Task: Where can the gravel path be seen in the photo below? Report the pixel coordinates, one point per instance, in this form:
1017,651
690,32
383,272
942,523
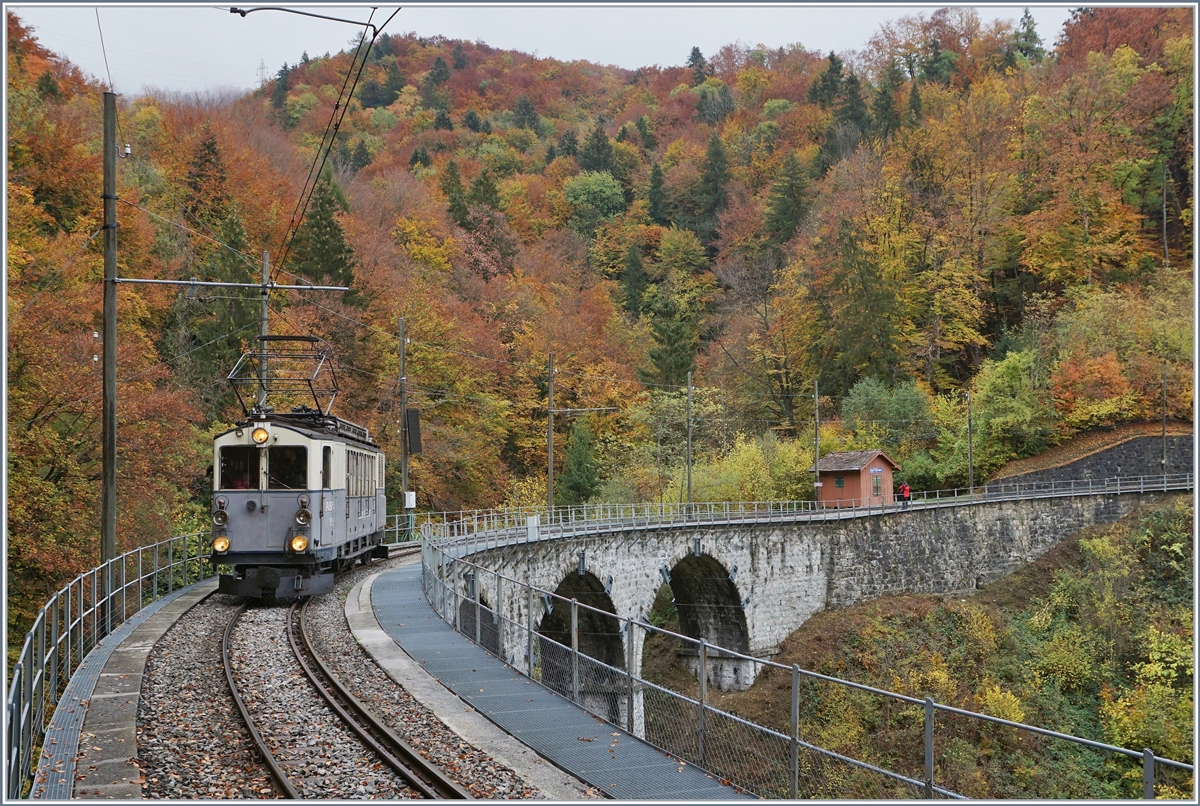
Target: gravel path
192,744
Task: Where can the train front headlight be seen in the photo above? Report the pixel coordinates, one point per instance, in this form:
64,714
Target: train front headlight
221,544
220,517
299,543
259,435
304,517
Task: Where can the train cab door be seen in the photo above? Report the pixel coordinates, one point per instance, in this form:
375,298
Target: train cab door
324,527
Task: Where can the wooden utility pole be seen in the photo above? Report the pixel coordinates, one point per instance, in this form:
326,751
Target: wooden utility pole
550,439
108,497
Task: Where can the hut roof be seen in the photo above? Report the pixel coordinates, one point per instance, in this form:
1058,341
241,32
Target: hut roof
840,461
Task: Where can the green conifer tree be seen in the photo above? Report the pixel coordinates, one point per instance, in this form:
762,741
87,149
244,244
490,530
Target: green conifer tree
1026,40
420,156
676,340
472,120
853,109
439,73
280,90
714,176
699,67
827,88
580,476
525,116
484,191
319,249
656,197
914,105
634,280
597,152
649,142
207,200
361,157
885,115
456,195
787,203
568,144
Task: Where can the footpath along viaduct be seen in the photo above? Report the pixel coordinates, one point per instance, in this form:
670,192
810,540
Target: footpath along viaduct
741,580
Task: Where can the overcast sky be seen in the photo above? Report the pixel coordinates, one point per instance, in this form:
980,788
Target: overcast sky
206,48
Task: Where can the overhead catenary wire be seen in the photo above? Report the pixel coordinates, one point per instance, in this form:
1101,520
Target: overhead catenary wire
331,132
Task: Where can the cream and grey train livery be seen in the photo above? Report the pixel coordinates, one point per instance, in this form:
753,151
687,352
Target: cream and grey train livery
296,497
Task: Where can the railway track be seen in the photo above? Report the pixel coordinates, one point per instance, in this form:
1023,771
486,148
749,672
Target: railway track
424,779
264,751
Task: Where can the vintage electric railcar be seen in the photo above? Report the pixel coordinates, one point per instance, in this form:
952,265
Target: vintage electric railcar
296,497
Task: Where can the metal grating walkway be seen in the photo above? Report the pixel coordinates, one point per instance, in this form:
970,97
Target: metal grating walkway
55,777
606,757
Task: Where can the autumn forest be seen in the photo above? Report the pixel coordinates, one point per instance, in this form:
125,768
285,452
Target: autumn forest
957,209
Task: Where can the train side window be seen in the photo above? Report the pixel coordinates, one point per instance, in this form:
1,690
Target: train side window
326,467
239,468
287,467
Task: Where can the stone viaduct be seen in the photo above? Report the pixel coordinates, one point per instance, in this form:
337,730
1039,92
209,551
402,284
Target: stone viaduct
747,583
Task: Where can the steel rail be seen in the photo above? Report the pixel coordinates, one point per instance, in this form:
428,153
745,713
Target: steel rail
277,772
423,776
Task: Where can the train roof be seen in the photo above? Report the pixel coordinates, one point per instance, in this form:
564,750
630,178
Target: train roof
316,424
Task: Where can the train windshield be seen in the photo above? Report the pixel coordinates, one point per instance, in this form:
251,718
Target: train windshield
287,467
239,468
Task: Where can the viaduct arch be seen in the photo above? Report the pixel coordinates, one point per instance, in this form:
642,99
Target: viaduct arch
747,585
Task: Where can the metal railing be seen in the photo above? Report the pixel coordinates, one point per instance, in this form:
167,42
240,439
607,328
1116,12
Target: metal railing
524,524
768,762
70,625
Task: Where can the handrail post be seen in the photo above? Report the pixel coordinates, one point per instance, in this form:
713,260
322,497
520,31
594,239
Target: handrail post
629,673
529,629
54,651
477,583
575,651
929,747
703,696
95,624
794,789
1147,774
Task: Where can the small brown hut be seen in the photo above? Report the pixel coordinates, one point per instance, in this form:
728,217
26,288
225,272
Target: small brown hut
855,479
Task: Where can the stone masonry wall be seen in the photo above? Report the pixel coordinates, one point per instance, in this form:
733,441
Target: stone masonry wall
1140,456
787,572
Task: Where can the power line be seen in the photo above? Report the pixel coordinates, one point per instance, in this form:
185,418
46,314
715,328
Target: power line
57,272
331,131
137,375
